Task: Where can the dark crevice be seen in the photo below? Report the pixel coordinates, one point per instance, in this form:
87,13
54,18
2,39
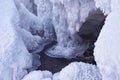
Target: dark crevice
91,28
56,64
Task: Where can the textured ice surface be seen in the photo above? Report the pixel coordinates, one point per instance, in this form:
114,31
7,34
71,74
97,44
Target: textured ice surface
38,75
14,57
67,21
108,45
33,32
79,71
29,21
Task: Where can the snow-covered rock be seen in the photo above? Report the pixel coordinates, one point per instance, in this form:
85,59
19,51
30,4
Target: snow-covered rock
30,29
74,71
38,75
108,44
14,57
29,21
56,76
67,21
34,31
78,71
31,42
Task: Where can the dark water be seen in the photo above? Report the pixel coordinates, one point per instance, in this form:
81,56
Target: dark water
56,64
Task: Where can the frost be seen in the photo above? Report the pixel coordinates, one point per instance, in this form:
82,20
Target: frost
30,25
38,75
107,46
14,57
44,11
79,71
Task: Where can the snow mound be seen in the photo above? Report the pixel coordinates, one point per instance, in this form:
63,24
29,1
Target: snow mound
79,71
107,46
38,75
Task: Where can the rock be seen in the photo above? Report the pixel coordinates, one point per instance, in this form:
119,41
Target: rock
107,47
38,75
78,71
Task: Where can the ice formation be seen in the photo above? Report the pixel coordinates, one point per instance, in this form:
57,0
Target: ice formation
29,21
67,21
14,57
107,46
79,71
29,4
30,25
30,28
44,11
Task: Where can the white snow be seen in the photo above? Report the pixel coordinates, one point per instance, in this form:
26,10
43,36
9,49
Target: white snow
108,44
56,76
44,11
80,71
38,75
14,57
